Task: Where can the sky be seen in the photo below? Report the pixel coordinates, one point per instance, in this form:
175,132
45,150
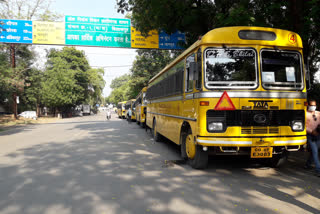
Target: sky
117,61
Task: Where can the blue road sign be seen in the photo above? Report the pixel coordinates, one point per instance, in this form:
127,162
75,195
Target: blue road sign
172,41
15,31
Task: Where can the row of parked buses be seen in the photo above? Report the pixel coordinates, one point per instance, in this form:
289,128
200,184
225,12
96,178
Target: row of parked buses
138,107
236,91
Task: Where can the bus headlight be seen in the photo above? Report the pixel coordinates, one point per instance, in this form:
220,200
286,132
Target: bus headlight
297,126
215,126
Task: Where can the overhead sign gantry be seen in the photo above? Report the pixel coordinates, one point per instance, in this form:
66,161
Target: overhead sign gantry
86,31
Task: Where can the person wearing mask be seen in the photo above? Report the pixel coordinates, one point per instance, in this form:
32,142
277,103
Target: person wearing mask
129,115
313,134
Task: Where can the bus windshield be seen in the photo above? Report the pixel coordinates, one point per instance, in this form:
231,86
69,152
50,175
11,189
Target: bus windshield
230,68
281,70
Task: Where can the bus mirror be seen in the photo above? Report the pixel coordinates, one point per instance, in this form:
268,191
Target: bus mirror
193,72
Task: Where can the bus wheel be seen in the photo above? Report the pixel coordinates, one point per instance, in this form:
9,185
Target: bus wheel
183,137
156,135
197,158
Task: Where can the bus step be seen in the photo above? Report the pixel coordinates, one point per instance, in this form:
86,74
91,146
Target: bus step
229,149
292,148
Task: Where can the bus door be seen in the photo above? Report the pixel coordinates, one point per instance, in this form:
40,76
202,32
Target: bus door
188,105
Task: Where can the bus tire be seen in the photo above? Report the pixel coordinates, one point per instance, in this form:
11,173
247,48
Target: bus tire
183,137
155,134
200,157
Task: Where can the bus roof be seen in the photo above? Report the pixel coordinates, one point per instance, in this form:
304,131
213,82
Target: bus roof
132,100
230,36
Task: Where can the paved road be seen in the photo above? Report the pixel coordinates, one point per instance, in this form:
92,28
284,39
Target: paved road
90,165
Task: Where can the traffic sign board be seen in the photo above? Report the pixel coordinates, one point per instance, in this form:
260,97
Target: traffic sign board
48,32
95,31
172,41
15,31
139,41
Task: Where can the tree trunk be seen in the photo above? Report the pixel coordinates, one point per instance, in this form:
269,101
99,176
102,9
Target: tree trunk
38,110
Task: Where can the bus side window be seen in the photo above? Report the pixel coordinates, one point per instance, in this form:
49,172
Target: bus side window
199,64
189,83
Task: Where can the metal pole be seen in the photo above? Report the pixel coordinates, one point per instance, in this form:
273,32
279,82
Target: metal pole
13,66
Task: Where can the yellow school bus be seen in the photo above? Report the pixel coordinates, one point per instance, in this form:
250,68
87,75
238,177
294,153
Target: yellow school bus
121,109
237,90
129,104
140,107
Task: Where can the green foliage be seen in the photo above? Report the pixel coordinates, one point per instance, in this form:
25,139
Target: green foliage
146,65
4,76
21,79
96,85
119,81
69,80
13,80
31,97
197,17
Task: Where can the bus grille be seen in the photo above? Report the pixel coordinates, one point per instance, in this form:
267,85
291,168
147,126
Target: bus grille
246,119
259,130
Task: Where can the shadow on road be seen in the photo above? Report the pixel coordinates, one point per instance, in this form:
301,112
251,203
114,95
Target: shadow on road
15,130
119,169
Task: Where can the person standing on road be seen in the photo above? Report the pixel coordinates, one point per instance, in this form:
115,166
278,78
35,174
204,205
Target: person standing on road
313,136
129,115
108,114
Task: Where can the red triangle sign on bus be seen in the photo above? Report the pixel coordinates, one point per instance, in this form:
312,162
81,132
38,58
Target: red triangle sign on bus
224,103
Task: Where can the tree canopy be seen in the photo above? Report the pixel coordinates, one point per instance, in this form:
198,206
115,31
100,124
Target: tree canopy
197,17
24,79
29,10
146,65
69,80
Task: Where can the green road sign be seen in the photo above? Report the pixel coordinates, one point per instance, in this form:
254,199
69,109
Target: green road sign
94,31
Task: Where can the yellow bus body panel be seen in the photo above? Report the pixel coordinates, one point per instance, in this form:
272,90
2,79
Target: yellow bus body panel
120,112
140,116
170,115
130,102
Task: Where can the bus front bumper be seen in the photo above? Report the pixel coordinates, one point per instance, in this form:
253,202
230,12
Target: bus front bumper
244,145
245,142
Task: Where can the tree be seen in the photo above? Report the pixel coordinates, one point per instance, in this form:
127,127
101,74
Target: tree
96,84
196,17
28,10
120,87
146,65
69,80
31,96
119,81
13,75
13,79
